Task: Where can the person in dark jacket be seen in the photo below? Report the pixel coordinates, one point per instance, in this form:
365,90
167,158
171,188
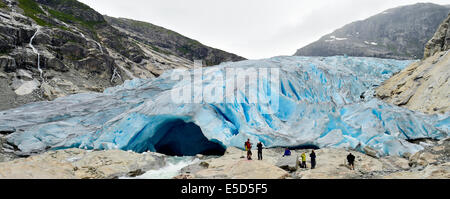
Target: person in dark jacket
260,148
351,161
313,159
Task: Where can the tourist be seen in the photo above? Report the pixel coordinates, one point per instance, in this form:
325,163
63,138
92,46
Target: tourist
260,147
287,152
313,159
303,156
248,147
351,161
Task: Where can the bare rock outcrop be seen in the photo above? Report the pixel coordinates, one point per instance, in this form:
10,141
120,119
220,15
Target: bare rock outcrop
81,164
440,41
424,86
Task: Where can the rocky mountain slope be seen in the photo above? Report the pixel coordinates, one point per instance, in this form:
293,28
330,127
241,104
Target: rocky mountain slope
170,42
424,86
53,48
398,33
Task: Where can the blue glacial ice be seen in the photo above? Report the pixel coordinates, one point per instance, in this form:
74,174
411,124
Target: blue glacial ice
323,102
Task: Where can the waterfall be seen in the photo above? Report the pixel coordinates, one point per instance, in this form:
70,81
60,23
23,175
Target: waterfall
115,73
99,46
36,51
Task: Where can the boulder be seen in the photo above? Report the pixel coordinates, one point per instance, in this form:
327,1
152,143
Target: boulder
288,163
51,92
27,87
441,171
370,152
200,156
395,163
24,74
422,159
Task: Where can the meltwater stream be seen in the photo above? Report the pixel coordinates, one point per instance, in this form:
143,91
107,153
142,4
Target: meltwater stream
173,167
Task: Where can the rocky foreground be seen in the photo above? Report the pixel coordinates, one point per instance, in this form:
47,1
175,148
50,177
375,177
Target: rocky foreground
81,164
431,163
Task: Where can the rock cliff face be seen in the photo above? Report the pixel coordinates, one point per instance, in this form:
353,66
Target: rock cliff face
440,41
53,48
424,86
398,33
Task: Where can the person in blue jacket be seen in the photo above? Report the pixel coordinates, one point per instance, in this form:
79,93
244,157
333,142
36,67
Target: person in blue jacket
287,152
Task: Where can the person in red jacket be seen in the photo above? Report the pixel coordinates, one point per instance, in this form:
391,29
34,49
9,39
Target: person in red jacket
248,147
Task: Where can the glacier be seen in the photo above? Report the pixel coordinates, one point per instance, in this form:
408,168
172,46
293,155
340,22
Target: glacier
321,102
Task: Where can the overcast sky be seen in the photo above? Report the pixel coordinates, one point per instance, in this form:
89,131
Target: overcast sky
250,28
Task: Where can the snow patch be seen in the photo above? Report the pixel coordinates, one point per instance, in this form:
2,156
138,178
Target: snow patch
334,38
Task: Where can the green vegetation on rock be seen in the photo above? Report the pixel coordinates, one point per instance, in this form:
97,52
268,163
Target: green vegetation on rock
70,3
72,19
2,5
32,10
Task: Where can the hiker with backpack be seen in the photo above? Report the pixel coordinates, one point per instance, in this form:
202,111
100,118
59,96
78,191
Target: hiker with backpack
351,161
248,148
